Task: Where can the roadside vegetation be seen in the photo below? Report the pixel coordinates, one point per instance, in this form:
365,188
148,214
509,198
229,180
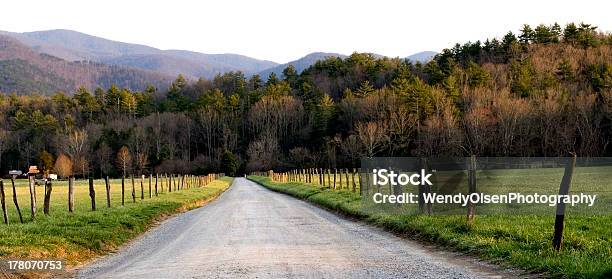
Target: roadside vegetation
84,234
541,90
518,241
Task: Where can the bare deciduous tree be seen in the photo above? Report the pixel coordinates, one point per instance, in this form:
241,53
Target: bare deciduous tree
372,135
103,157
124,159
142,161
263,153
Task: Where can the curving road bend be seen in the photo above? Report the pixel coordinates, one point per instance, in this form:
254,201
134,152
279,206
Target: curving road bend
252,232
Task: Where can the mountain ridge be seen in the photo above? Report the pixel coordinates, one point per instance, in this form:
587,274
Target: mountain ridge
76,46
23,70
310,59
64,59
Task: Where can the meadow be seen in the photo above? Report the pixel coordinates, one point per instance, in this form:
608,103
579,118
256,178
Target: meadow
79,236
511,237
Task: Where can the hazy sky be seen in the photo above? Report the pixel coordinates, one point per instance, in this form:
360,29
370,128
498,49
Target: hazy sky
286,30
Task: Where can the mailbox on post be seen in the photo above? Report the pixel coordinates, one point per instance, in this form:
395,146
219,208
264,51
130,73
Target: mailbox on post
33,170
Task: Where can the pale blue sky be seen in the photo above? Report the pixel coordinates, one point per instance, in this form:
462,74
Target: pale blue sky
286,30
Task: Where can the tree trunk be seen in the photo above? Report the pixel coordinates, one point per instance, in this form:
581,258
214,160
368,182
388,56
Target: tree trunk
15,199
47,202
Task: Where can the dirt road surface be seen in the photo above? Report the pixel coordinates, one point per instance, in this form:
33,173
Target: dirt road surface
252,232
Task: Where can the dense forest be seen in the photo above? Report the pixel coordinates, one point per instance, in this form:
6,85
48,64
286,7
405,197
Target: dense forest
546,91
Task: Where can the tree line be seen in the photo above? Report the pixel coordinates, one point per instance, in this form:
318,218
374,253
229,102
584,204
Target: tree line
544,92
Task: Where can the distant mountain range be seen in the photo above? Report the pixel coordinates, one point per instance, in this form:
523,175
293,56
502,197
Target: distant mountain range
423,56
48,61
25,71
310,59
75,46
300,64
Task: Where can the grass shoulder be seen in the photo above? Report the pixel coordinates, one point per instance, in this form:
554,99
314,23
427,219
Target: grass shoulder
78,237
518,241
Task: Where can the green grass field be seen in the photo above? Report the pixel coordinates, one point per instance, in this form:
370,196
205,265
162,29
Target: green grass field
522,241
79,236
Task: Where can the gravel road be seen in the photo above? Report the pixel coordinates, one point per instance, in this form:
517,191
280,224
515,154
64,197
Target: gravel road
252,232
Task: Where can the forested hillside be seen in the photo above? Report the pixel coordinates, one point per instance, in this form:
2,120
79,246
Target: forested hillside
75,46
24,71
544,92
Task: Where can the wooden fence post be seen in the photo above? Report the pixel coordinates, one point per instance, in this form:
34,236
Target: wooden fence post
335,173
47,201
123,190
323,177
366,175
422,188
563,190
133,189
156,177
471,188
92,194
70,194
3,200
360,183
329,178
169,177
340,181
346,172
108,198
150,181
161,182
142,186
15,199
32,196
353,178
